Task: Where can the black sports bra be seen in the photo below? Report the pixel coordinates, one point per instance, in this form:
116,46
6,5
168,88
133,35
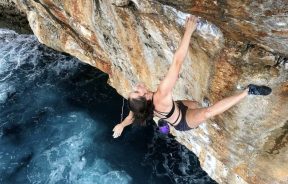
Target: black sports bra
168,114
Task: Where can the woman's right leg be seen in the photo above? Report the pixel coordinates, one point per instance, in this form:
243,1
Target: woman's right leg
191,104
195,117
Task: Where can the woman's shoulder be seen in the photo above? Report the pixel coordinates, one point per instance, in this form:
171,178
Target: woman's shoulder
162,99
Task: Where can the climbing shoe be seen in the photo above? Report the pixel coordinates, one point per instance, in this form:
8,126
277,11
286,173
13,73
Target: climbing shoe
258,90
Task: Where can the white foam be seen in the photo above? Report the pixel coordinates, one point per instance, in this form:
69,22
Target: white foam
5,90
69,135
66,160
7,31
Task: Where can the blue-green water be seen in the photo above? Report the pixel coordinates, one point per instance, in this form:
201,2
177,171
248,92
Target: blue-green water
56,120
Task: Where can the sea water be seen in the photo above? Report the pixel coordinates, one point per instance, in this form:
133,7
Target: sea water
56,121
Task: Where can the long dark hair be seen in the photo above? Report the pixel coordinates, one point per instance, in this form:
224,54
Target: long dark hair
142,109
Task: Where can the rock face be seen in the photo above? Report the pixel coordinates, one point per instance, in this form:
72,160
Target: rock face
235,44
263,22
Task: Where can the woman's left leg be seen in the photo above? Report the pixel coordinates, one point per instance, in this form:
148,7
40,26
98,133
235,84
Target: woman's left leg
195,117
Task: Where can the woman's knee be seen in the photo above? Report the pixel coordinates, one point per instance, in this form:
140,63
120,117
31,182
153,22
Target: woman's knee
198,116
208,113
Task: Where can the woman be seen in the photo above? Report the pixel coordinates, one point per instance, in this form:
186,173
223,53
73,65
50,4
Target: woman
183,115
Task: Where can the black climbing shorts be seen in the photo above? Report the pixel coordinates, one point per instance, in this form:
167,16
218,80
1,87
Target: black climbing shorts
182,125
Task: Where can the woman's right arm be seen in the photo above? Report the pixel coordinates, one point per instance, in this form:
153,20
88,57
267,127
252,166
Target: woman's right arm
118,129
166,86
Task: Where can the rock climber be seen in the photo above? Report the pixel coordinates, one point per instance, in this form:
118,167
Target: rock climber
182,115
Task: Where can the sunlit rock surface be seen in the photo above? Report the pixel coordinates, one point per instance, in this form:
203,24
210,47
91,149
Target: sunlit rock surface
263,22
236,43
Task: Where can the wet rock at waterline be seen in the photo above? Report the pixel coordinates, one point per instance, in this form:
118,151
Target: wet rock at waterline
235,44
12,18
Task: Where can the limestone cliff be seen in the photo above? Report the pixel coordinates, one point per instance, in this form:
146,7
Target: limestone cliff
236,43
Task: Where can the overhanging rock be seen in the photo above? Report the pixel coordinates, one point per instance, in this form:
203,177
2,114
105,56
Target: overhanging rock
236,43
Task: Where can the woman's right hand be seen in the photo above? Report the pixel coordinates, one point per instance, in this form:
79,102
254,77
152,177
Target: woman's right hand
118,129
